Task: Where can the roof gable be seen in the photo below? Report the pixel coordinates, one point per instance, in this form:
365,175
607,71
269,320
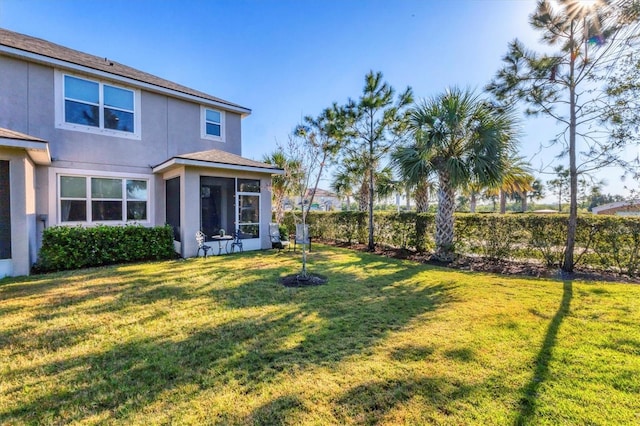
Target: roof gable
46,49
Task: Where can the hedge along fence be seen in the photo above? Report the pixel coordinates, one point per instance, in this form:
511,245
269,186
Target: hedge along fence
65,247
603,242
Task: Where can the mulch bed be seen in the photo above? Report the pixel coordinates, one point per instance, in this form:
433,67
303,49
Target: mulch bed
503,267
296,280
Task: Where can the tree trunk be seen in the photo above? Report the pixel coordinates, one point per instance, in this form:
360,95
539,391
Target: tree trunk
371,246
524,201
567,265
363,195
560,200
422,197
503,202
408,194
444,219
473,202
279,202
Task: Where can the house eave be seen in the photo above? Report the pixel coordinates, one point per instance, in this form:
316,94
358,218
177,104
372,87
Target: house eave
58,63
38,151
177,162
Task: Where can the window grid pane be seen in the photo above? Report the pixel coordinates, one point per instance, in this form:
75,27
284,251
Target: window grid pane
106,210
118,120
213,116
118,98
81,90
248,185
213,129
73,187
80,113
73,211
136,190
249,209
136,210
106,188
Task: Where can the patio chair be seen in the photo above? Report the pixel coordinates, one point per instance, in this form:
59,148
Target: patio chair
276,239
200,238
237,242
302,236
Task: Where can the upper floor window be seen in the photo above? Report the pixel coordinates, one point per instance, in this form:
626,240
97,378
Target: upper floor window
97,107
212,124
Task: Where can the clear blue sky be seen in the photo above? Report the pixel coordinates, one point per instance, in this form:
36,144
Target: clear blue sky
286,59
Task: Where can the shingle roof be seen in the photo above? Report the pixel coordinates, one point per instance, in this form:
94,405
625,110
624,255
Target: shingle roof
223,157
217,159
51,50
11,134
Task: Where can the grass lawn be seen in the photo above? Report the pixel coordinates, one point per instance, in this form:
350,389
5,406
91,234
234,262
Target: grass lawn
218,341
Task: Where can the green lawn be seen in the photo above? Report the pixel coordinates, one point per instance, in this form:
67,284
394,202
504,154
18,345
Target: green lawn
218,341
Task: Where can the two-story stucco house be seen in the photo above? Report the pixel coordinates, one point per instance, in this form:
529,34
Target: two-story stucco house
85,140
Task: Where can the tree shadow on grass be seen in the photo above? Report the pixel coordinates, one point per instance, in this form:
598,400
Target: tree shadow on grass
277,412
297,329
528,401
369,402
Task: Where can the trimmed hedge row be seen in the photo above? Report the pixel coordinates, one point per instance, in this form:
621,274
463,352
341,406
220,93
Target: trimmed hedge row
65,247
603,242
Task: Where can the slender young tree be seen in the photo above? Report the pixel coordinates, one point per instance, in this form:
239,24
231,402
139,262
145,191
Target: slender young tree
589,38
313,146
377,121
560,184
465,139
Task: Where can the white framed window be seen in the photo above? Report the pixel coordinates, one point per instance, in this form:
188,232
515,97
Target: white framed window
96,199
93,106
212,124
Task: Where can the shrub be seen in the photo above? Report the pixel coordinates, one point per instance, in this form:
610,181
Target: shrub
603,242
65,247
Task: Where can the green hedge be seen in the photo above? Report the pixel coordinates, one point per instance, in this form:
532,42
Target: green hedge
65,247
602,242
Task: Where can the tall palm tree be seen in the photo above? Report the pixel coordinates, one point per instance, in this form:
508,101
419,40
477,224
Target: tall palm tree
465,139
